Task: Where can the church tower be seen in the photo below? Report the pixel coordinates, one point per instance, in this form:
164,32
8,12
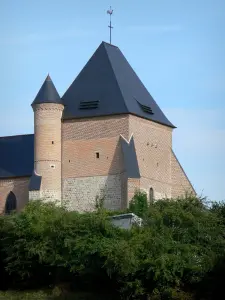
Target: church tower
45,183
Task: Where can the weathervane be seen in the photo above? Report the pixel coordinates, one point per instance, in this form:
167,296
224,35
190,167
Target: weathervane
110,12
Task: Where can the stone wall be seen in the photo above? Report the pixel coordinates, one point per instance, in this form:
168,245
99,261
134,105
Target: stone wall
46,195
34,195
80,193
19,186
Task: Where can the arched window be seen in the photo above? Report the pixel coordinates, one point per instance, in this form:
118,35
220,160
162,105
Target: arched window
151,195
10,203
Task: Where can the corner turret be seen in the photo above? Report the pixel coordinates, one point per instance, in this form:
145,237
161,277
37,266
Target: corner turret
48,108
47,93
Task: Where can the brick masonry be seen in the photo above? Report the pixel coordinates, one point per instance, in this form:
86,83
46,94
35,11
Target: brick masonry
83,139
48,148
19,186
180,183
158,166
161,190
86,160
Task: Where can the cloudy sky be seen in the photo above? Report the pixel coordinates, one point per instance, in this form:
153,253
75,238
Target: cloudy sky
176,47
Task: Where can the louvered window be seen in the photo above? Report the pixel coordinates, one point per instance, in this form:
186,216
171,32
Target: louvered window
89,104
145,108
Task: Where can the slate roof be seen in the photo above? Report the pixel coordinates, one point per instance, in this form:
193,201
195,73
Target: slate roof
130,158
47,93
35,182
16,156
107,85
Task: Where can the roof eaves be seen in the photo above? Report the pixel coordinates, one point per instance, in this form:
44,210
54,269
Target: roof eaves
14,176
17,135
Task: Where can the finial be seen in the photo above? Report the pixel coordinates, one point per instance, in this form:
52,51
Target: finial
110,12
48,78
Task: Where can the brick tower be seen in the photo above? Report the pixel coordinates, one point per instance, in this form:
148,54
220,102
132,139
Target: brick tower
45,182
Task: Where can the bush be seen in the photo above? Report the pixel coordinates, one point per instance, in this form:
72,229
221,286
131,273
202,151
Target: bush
139,204
170,257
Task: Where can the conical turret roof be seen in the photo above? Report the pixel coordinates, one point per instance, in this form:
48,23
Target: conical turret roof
47,93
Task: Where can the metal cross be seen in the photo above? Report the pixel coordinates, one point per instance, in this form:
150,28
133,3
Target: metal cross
110,12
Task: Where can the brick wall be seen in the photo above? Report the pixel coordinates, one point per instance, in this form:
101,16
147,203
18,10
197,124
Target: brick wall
180,182
47,148
161,189
82,139
153,144
19,186
95,128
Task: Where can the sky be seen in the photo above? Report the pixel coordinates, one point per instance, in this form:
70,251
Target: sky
176,48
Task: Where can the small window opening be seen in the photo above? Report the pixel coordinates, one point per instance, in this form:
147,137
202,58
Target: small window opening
11,203
69,160
52,142
97,154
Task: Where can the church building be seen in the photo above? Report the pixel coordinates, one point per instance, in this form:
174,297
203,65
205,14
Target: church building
105,137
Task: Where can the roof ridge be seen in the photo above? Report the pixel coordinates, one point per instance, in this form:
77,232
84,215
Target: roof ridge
16,135
115,77
110,44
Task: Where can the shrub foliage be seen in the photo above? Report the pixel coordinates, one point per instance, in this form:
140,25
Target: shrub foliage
178,253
